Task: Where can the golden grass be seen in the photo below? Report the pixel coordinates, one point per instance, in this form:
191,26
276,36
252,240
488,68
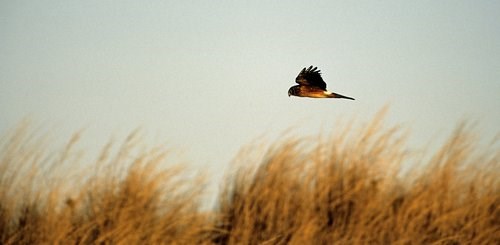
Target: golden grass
354,187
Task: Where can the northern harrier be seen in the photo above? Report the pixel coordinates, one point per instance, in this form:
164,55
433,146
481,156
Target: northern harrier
312,85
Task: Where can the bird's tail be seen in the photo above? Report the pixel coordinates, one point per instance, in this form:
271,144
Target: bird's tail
334,95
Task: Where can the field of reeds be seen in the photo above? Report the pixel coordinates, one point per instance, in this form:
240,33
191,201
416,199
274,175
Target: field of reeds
358,185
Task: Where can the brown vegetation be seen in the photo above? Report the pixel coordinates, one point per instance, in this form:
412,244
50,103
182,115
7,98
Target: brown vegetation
357,186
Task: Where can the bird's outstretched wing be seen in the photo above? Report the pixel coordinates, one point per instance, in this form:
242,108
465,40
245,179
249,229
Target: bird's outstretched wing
311,77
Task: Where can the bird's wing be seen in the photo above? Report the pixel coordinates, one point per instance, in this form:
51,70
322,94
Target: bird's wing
311,77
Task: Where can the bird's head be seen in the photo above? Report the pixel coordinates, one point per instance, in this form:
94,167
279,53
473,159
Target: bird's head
293,91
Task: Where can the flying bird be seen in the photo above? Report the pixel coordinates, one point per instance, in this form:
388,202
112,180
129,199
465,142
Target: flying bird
312,85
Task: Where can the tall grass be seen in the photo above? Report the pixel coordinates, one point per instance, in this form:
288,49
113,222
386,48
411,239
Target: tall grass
353,186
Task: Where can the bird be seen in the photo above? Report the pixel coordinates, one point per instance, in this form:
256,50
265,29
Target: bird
311,85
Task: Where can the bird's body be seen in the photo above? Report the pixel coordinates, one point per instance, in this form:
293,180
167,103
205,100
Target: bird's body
311,85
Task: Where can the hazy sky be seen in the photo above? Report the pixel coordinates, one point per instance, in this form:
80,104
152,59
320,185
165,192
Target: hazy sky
208,77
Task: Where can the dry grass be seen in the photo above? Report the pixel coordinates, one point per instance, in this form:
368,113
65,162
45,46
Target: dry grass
350,188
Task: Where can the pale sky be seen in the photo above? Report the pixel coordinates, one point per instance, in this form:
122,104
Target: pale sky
208,77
